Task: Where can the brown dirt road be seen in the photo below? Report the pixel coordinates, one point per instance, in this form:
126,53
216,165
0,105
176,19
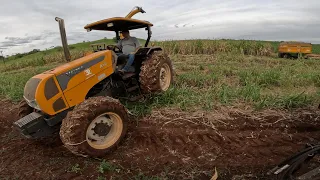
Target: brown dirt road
170,143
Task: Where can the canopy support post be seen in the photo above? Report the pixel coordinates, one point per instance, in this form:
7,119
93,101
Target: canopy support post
149,36
117,36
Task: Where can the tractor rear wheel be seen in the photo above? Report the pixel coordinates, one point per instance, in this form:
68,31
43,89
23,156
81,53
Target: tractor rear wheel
95,127
156,73
24,109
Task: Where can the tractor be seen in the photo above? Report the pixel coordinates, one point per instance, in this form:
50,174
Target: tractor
80,99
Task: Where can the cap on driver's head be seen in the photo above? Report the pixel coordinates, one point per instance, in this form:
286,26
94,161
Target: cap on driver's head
123,31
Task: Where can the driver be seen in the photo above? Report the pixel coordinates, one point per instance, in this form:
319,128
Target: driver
129,46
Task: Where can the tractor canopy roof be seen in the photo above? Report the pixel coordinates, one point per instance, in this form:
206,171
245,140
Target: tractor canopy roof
118,24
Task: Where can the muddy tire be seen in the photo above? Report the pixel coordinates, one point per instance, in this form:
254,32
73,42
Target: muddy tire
95,127
156,73
24,109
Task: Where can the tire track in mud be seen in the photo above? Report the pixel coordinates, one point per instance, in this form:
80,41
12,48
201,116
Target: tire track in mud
247,141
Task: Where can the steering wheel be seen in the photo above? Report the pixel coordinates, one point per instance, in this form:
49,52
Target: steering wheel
114,48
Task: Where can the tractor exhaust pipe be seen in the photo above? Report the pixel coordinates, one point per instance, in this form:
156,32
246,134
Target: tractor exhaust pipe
63,38
134,11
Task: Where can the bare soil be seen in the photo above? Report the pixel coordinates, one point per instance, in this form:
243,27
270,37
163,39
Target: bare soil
169,143
314,56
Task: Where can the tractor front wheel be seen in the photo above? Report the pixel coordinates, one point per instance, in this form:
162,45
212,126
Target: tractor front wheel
24,109
95,127
156,73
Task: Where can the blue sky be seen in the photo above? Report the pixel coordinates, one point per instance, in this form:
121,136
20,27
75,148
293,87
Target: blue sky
26,25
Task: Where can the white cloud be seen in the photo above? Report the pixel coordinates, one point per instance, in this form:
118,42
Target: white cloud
30,24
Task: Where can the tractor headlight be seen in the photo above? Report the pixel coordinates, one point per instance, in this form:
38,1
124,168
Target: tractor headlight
33,103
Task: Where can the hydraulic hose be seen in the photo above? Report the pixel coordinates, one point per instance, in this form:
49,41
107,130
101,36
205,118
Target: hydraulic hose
287,168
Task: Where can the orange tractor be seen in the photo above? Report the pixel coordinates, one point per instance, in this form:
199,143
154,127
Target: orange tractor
80,98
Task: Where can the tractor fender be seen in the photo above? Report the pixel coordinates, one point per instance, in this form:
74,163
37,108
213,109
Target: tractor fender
145,51
153,49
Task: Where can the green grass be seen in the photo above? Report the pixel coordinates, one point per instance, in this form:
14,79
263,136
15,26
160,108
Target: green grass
75,168
262,82
106,166
213,46
222,72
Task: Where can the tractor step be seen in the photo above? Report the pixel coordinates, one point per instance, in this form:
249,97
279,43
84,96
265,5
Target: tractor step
128,75
133,88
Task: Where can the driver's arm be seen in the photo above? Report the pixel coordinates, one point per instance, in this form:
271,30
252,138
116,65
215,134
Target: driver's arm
119,44
137,45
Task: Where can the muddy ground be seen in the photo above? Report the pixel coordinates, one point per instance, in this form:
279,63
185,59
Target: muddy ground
169,144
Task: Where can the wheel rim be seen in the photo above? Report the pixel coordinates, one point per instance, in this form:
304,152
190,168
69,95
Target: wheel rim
104,130
165,77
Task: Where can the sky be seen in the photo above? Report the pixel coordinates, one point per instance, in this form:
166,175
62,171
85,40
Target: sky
30,24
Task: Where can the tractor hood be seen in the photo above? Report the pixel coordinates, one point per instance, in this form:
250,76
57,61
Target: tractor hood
42,93
80,63
53,90
79,69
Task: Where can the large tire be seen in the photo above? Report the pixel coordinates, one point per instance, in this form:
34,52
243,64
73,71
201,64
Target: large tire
95,127
24,109
156,73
